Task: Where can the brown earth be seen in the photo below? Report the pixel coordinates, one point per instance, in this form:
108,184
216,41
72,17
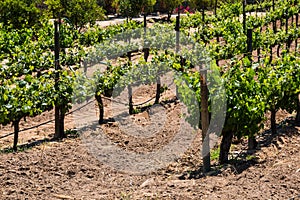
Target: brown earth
68,170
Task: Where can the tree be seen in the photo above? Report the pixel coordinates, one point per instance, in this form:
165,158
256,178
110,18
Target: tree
148,5
200,4
78,12
169,6
19,13
132,8
107,6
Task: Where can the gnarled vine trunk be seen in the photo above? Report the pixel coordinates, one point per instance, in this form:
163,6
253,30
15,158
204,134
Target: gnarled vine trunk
273,121
298,110
131,109
101,108
158,87
225,146
252,143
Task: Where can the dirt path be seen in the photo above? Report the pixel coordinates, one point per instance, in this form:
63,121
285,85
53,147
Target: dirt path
115,20
66,170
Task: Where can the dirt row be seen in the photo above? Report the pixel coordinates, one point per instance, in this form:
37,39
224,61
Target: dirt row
75,169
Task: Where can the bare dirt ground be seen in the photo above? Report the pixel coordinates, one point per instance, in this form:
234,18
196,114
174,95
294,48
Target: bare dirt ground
68,170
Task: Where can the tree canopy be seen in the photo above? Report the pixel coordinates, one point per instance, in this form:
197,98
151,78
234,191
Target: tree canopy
19,13
132,8
78,12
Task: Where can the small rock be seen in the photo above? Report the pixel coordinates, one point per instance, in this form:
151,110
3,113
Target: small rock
171,185
24,168
148,182
71,173
9,182
282,140
282,177
59,196
90,176
12,171
11,191
284,185
146,194
49,186
58,174
23,174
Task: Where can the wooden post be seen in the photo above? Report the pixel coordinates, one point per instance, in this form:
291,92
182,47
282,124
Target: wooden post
251,139
145,20
158,86
177,47
274,22
249,44
216,4
244,15
16,133
130,90
177,29
288,43
297,20
205,122
258,49
146,50
286,22
203,13
59,115
218,41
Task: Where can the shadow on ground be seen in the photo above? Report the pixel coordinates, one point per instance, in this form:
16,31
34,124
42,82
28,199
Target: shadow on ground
246,158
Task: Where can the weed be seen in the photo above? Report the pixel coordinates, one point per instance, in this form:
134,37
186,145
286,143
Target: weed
214,154
125,196
251,157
